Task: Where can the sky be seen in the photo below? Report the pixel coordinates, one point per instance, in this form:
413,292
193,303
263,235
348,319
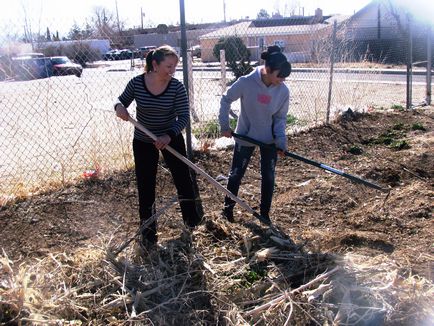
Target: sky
61,14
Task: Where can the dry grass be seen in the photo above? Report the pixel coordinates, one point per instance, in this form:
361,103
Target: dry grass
221,274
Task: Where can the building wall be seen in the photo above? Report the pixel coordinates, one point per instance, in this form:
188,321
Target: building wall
173,38
297,47
375,22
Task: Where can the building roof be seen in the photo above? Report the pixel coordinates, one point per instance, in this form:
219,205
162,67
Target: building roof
250,28
288,21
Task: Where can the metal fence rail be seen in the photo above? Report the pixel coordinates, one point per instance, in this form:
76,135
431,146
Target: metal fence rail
55,126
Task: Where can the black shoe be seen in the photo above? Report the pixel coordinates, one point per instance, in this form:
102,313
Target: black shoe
147,243
228,214
192,225
265,218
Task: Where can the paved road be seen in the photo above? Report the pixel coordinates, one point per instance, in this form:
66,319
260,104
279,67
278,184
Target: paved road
385,76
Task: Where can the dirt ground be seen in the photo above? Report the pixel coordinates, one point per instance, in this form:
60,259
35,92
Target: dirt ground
321,211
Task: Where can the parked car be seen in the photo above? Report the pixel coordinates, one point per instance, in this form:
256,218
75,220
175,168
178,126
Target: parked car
144,50
27,68
195,51
125,54
31,55
110,55
64,66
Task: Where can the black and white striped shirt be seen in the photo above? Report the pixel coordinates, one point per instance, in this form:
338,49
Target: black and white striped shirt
166,113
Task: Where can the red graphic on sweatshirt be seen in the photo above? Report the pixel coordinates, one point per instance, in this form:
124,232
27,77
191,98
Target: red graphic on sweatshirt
264,98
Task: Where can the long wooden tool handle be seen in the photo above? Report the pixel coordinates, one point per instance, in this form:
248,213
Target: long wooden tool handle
201,172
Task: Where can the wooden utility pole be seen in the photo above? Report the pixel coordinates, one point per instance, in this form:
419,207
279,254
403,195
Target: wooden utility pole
428,67
117,16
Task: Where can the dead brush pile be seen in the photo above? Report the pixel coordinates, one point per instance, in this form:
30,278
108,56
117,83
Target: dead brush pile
221,274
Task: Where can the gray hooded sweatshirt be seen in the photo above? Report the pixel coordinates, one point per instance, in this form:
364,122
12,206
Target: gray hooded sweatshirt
263,110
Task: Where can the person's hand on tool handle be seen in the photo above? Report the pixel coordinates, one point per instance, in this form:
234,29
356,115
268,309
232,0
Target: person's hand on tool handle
162,141
280,152
121,112
227,133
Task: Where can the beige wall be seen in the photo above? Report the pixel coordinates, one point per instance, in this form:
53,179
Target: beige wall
300,43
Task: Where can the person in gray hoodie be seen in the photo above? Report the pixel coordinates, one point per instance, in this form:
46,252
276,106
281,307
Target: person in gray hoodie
264,107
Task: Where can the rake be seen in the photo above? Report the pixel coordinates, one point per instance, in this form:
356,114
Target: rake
353,178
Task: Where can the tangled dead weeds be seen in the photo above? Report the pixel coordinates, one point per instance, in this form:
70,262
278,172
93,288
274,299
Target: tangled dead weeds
344,255
223,273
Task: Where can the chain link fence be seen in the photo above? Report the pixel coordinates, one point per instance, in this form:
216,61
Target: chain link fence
58,122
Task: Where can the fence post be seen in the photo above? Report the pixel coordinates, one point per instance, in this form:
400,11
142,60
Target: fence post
191,87
332,64
185,72
188,128
428,67
409,65
223,70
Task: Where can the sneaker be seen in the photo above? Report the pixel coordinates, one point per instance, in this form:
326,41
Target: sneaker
228,214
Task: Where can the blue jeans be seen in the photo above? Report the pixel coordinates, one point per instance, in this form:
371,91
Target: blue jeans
240,161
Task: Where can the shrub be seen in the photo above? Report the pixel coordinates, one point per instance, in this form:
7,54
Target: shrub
417,126
236,54
399,145
291,120
398,107
355,150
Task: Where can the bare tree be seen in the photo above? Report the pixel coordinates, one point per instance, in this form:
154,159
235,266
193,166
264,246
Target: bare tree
28,34
104,22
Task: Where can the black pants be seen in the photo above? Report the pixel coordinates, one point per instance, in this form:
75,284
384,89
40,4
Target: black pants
146,162
240,161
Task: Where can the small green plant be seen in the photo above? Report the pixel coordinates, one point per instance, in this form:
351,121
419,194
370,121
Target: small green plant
418,126
291,120
252,276
385,138
355,150
399,145
211,129
398,107
398,126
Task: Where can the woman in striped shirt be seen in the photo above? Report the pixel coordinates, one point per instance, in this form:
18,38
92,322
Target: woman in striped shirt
162,107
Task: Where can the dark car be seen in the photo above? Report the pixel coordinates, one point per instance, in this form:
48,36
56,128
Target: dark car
28,68
144,50
64,66
110,55
195,51
125,54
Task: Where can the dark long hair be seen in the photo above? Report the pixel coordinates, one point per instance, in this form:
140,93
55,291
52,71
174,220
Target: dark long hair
276,60
159,54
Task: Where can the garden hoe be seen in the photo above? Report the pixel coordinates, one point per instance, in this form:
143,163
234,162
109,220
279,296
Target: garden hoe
217,185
